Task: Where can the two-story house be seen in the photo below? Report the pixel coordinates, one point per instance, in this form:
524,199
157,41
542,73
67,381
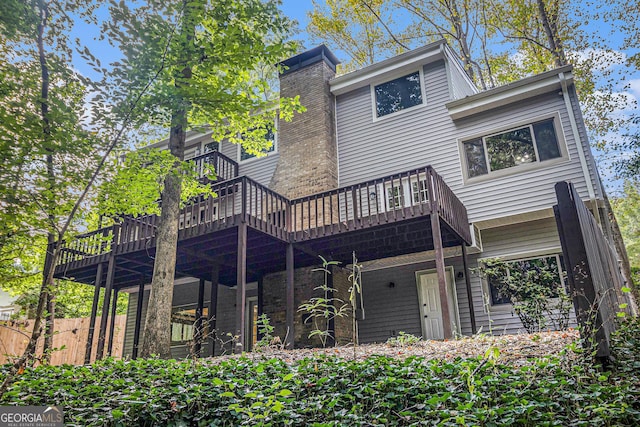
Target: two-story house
403,162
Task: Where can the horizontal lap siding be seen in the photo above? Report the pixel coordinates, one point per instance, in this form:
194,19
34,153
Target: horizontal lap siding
391,310
260,170
540,237
426,135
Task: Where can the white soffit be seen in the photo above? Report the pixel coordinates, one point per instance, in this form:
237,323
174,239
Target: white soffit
509,94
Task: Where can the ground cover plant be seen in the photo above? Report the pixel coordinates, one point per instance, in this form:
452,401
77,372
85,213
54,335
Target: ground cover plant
326,390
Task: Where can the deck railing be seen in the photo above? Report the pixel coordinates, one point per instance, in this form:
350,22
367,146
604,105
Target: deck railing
87,245
393,198
379,201
225,167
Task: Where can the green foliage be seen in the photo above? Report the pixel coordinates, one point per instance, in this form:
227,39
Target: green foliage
627,212
265,332
403,340
322,309
138,182
327,391
534,289
625,342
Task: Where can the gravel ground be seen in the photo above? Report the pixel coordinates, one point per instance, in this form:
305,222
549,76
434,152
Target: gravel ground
515,350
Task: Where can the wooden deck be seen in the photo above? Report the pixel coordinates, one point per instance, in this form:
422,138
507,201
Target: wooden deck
383,217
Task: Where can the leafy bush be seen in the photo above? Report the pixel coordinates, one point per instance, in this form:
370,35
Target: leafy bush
326,391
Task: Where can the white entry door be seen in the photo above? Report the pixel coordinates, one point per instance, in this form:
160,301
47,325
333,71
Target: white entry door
430,311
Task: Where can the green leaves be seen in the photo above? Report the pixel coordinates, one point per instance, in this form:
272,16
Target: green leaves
329,391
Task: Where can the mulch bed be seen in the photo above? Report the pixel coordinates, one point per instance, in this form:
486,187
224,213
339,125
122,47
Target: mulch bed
517,350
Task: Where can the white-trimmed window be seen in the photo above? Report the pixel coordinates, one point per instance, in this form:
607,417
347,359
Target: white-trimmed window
398,94
183,321
549,268
531,143
271,136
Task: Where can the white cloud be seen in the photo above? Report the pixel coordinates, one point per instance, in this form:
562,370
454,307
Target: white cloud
599,59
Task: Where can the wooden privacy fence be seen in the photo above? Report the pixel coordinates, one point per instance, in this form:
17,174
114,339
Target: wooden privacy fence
594,275
70,333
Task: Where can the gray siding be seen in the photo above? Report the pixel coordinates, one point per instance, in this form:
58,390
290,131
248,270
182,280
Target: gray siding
391,310
519,240
460,85
259,169
426,135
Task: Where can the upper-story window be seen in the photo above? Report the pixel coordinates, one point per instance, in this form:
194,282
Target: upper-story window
269,136
398,94
527,144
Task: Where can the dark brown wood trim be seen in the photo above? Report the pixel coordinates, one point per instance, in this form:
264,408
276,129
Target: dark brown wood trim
94,312
138,324
241,286
290,262
467,281
111,269
112,321
213,308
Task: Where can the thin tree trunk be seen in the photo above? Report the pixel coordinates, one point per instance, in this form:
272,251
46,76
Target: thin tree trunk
551,31
157,327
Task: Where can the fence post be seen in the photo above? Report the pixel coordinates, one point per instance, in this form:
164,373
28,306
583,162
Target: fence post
585,299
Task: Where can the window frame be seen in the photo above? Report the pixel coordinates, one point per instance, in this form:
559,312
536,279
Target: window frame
187,307
526,167
507,306
266,154
388,78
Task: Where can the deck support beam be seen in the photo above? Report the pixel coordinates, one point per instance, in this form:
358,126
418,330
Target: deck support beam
94,312
290,263
138,324
442,278
112,321
467,281
260,301
241,286
197,341
108,287
213,308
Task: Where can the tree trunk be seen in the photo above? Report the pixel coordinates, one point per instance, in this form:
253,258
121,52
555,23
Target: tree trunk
551,30
157,328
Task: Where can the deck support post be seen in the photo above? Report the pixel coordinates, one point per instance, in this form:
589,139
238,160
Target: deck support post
467,281
213,307
241,286
442,278
260,301
94,312
108,287
197,341
112,321
138,324
290,263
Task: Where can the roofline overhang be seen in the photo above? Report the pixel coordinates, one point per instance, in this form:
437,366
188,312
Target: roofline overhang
526,88
408,60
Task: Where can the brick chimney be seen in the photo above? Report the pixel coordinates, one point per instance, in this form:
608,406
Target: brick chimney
307,144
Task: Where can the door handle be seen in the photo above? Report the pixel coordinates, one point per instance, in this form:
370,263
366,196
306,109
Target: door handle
425,316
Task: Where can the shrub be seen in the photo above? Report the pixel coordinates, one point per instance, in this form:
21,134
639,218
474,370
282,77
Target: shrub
327,391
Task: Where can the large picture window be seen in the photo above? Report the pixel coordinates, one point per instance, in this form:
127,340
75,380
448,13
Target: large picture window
398,94
532,143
